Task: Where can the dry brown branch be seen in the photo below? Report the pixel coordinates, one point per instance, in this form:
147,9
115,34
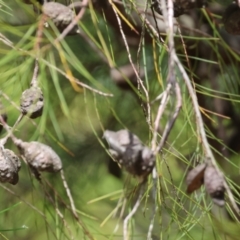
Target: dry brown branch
172,120
132,212
69,194
155,206
34,82
140,81
202,134
161,108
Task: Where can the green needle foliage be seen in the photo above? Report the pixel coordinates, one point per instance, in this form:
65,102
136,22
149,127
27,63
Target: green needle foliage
85,94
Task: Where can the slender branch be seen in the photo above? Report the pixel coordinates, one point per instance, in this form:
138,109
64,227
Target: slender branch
73,208
59,213
26,202
73,23
140,82
77,81
9,129
172,119
132,212
161,109
10,44
155,206
202,134
69,194
34,82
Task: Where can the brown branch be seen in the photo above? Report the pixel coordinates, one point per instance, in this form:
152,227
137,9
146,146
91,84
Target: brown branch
172,120
202,134
132,212
140,81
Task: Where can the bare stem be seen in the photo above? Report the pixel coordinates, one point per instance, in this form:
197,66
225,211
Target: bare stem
140,82
74,21
202,134
132,212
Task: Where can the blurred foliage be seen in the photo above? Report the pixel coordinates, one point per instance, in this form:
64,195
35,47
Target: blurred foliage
73,124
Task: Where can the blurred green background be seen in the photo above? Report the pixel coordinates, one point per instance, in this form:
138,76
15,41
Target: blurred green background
73,124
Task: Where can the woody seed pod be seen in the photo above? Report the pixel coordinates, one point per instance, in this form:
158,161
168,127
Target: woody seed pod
127,149
9,166
60,14
213,182
32,102
180,6
39,156
195,178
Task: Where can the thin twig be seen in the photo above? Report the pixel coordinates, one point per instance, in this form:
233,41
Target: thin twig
140,82
77,81
26,202
171,84
69,194
156,32
172,120
155,206
10,100
73,23
161,109
10,44
202,134
94,47
34,82
72,208
10,129
59,213
132,212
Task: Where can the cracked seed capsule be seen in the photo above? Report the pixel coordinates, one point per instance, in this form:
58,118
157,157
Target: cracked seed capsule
31,102
9,166
180,7
195,178
214,184
60,14
127,149
39,156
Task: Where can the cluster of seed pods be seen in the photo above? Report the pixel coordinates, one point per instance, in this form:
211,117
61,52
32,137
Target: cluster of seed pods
130,153
212,179
38,156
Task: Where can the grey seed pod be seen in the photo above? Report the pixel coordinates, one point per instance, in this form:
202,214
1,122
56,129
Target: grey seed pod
3,115
214,184
60,14
120,140
195,178
9,166
127,149
180,6
31,102
13,158
231,19
39,156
